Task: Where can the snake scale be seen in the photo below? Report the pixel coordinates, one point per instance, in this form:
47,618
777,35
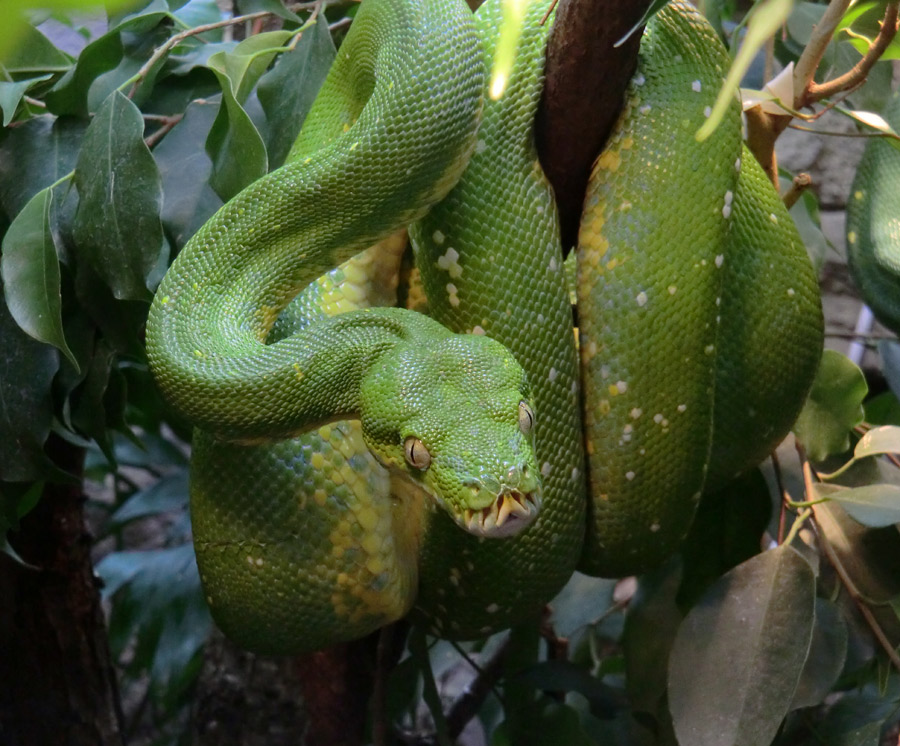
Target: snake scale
354,463
873,225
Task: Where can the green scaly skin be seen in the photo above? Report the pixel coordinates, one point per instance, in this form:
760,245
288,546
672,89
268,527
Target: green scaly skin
301,548
649,285
491,262
873,226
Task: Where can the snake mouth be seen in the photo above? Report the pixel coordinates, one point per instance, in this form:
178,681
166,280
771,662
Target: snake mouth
506,516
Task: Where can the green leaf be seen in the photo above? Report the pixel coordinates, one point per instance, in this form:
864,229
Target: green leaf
11,94
70,94
88,410
825,660
875,505
184,168
739,653
883,409
167,494
856,718
889,351
34,155
288,90
244,65
545,722
159,613
872,121
34,53
878,440
30,268
234,145
117,226
27,368
833,408
768,16
582,600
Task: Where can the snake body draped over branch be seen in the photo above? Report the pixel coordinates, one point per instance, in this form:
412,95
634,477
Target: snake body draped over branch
459,488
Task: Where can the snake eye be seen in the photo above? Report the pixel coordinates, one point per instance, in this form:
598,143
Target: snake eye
526,417
416,453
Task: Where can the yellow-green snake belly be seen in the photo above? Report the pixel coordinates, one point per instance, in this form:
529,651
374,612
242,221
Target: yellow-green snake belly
452,475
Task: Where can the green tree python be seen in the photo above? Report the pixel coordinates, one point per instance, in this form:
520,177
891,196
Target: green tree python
353,463
873,225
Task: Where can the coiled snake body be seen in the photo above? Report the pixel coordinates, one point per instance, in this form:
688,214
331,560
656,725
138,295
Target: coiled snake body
469,505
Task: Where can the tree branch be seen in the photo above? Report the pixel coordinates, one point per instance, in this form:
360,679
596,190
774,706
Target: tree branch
857,74
822,34
586,77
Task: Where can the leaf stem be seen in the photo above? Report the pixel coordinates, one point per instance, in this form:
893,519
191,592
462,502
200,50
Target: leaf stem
797,525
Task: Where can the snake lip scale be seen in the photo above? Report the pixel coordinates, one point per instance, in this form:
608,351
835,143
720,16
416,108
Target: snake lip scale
506,516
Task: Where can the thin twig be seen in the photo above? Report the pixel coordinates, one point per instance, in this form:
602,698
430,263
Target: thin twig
842,573
822,34
853,77
164,129
782,491
800,184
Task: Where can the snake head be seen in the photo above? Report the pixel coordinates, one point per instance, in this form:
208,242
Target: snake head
456,418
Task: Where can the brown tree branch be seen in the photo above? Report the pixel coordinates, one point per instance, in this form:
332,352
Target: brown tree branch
857,74
822,34
586,76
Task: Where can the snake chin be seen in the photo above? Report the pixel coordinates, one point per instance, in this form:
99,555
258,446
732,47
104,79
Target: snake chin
509,514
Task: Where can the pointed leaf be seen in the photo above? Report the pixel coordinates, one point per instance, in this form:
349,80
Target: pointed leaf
30,268
27,368
825,661
875,505
234,145
878,440
287,91
117,226
11,94
248,60
581,601
833,408
768,16
34,53
738,654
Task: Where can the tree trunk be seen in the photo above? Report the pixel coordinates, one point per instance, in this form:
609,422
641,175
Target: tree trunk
57,684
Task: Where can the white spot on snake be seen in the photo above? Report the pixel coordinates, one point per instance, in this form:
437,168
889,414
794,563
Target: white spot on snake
604,371
773,217
629,475
726,211
672,290
681,407
720,258
448,262
592,349
539,209
696,86
639,79
709,349
492,609
737,164
259,562
635,413
719,301
575,474
729,197
452,293
654,527
645,109
478,330
480,146
707,111
621,386
643,451
546,469
791,292
641,298
552,375
552,265
438,237
657,418
851,236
